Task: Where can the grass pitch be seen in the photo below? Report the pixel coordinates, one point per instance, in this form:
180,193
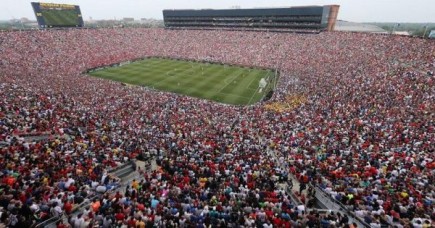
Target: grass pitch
224,84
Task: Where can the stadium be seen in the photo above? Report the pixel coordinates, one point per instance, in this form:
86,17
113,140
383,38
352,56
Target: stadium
216,126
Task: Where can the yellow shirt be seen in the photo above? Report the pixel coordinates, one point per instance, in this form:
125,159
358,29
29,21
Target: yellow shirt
135,185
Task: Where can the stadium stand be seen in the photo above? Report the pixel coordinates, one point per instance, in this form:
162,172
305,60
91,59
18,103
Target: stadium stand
305,18
352,116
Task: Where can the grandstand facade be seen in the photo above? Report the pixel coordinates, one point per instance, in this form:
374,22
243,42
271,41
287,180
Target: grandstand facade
305,18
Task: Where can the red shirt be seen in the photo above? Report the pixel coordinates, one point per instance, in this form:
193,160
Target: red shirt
119,216
277,222
131,222
67,207
61,226
72,188
286,224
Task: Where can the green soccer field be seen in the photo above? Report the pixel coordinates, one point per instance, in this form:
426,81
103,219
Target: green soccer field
224,84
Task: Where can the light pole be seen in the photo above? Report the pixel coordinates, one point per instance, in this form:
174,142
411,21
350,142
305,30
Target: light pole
425,30
394,27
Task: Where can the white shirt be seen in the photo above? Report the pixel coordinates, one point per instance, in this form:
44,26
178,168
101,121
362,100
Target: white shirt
69,182
78,222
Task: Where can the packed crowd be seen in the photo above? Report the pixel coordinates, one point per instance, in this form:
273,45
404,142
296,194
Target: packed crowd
364,132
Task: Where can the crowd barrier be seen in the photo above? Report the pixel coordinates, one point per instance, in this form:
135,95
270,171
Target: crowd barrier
334,205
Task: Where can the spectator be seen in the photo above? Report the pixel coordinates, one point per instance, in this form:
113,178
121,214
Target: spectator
352,114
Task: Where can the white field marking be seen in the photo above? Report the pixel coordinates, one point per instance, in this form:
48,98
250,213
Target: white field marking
247,87
232,79
229,78
253,94
167,74
193,88
162,80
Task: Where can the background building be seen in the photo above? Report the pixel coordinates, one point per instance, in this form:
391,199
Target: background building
347,26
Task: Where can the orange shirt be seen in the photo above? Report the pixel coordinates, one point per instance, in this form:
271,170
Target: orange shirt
96,206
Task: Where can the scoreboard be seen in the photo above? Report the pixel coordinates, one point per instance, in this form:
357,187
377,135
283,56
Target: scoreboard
52,15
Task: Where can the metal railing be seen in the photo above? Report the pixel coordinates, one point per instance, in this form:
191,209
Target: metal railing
86,202
336,205
52,220
292,195
55,219
129,163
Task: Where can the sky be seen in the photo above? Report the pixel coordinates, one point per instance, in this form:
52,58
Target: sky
418,11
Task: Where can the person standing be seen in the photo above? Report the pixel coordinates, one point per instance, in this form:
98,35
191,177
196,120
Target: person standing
140,223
